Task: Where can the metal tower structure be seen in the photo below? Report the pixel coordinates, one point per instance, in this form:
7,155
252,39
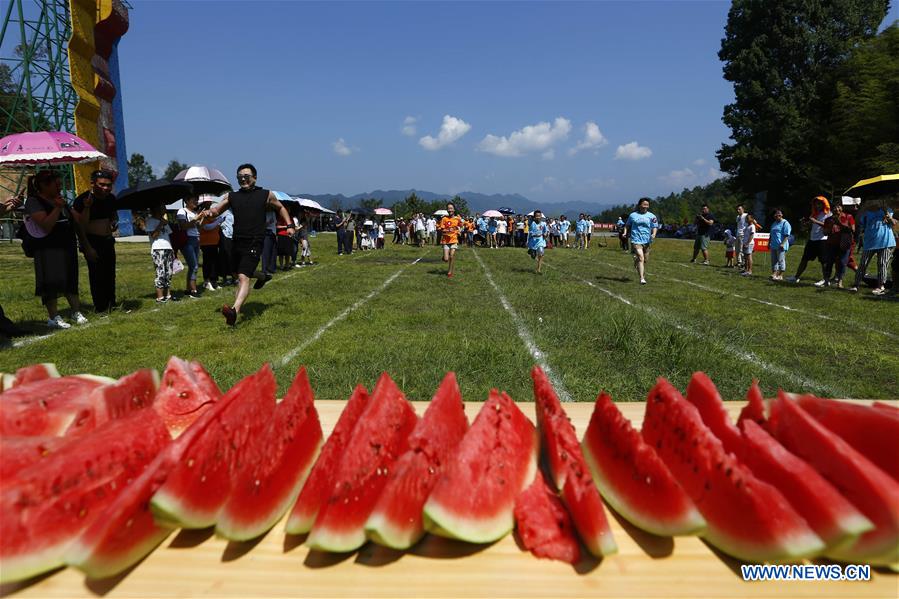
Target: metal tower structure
36,89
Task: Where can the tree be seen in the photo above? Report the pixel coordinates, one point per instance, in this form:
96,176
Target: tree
15,116
371,203
173,169
461,204
782,58
139,170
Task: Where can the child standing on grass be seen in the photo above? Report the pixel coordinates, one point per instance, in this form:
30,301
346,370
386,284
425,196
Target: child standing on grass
161,250
450,226
778,244
537,233
729,248
747,244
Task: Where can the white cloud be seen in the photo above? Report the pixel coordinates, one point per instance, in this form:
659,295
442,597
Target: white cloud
593,139
632,151
549,154
600,183
409,126
686,176
532,138
451,130
342,149
699,162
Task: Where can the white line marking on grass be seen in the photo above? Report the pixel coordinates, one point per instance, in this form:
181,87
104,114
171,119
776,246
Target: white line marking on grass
285,360
764,302
525,334
745,355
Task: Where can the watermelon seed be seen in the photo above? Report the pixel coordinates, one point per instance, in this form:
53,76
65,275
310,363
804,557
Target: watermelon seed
727,472
184,394
190,463
129,523
203,479
258,482
82,513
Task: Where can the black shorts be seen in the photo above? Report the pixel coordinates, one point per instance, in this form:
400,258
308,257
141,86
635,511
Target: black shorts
285,245
814,250
245,255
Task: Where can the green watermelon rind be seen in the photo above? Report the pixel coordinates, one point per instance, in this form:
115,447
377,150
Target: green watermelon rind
383,532
441,521
23,567
334,541
300,524
791,546
98,567
690,523
170,511
245,531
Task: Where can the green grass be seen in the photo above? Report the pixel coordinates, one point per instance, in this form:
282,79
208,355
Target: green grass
351,317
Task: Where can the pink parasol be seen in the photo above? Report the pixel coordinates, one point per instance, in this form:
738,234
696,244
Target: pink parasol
493,214
46,147
383,211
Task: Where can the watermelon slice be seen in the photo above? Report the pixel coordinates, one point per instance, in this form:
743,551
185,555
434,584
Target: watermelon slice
829,514
873,433
632,477
195,492
879,405
755,406
702,393
746,518
51,407
320,482
380,436
186,391
35,372
130,393
868,487
50,503
833,519
278,462
544,525
397,520
21,452
566,461
496,460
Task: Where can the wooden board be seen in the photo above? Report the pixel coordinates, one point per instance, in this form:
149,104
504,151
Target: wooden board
196,564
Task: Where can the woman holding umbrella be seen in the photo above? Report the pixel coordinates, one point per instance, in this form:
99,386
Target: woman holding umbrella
55,255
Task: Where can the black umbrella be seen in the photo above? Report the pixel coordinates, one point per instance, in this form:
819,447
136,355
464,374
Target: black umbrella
362,211
161,191
506,210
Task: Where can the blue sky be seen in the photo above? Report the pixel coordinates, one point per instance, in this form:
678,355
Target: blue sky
596,101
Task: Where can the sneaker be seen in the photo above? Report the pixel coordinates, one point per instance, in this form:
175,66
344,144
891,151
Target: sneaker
299,265
209,287
192,294
879,291
822,283
172,298
57,323
746,273
79,318
230,315
262,280
693,261
705,262
853,289
793,279
162,300
643,281
838,284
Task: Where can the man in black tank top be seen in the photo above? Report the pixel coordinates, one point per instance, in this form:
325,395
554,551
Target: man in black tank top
249,206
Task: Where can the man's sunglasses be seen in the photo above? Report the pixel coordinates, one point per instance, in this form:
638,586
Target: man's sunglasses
244,177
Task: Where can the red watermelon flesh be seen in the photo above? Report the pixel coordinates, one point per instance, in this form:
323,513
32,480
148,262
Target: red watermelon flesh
278,462
866,486
320,482
195,492
380,436
50,503
566,461
397,519
497,459
130,393
19,453
632,477
702,393
755,406
829,514
879,405
873,433
746,517
127,530
35,372
186,391
544,525
50,407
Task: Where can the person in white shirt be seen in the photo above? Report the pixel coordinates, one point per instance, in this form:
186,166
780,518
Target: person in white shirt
589,231
161,250
738,238
501,228
814,247
189,219
381,235
432,230
420,230
748,245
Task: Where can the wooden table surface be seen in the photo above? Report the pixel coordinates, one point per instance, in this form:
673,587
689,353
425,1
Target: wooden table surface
196,563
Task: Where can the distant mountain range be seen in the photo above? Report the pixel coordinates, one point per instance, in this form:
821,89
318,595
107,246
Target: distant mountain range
478,202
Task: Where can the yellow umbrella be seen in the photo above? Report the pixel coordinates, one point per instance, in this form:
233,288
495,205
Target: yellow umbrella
875,186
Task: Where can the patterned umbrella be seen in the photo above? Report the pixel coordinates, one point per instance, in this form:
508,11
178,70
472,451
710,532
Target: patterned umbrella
205,179
493,214
46,147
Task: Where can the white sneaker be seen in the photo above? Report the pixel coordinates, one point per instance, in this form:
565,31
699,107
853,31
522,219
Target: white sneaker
705,262
822,283
879,291
643,281
209,287
79,318
57,323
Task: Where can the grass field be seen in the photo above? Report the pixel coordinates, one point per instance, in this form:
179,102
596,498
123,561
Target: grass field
586,318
